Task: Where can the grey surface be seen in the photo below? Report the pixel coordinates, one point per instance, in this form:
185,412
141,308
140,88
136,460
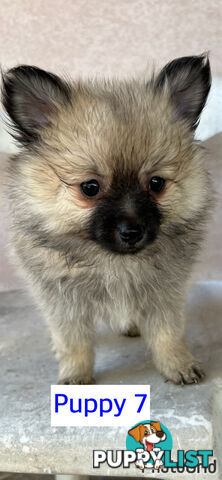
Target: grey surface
193,414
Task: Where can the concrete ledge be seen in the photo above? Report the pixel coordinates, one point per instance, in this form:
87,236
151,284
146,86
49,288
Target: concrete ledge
193,414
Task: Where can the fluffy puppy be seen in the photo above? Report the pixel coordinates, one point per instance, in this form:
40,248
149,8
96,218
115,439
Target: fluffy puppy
109,199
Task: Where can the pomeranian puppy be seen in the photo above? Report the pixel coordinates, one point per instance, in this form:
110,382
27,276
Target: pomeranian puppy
109,200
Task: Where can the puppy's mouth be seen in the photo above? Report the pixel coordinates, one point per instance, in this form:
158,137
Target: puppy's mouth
120,247
149,445
131,242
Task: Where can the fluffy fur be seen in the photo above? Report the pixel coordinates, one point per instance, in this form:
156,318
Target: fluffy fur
121,133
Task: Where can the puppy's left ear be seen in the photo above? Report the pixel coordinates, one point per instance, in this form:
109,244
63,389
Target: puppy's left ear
188,81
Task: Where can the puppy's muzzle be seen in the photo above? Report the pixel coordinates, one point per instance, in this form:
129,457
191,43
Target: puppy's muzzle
130,233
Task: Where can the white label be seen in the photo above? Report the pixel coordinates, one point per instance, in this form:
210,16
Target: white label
99,405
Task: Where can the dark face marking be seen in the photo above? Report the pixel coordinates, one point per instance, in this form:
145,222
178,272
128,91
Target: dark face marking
126,219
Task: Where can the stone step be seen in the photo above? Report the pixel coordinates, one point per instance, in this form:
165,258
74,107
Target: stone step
193,414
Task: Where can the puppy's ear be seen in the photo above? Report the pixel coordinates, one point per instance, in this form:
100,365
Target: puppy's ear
32,97
136,432
188,80
156,425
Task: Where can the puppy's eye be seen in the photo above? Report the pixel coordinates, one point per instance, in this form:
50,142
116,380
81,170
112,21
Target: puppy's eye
90,188
157,184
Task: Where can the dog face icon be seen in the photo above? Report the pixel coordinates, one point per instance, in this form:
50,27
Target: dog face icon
148,434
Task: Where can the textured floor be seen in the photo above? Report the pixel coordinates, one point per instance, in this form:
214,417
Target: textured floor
28,368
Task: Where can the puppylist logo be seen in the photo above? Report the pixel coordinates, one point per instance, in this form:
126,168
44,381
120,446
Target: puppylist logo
148,443
149,446
149,440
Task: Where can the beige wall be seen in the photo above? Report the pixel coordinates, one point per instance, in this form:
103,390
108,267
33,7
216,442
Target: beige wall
108,36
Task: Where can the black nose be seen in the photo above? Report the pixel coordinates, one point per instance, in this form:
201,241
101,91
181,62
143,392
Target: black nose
160,434
130,233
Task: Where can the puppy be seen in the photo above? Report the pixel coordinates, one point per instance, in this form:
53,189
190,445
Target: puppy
148,435
109,199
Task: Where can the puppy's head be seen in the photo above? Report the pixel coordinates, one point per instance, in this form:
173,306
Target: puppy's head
109,162
148,434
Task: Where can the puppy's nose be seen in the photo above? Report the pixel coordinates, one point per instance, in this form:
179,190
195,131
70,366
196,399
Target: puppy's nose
160,434
130,233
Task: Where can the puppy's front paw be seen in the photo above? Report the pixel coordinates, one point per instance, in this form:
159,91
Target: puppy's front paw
75,380
174,360
186,373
